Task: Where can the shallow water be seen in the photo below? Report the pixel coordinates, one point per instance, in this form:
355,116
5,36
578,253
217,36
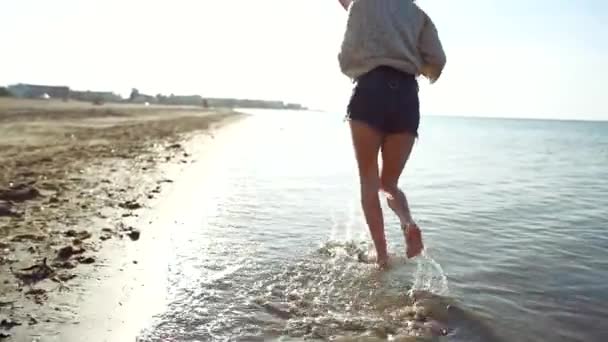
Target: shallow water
271,242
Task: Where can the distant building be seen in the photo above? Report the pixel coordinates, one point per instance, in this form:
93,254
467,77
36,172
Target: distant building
143,98
4,92
95,96
295,106
32,91
181,100
247,103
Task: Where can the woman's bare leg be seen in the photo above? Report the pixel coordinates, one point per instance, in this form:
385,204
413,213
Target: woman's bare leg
396,150
367,142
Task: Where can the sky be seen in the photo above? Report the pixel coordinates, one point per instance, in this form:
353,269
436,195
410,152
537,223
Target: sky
516,58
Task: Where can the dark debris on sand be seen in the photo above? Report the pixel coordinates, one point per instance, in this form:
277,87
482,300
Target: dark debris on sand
133,233
38,295
65,264
130,205
34,274
81,235
19,193
8,323
28,237
66,252
6,209
86,260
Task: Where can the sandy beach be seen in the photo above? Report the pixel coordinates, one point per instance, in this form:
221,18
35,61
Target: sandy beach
73,178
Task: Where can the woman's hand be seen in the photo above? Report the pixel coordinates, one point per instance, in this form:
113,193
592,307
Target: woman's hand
345,3
431,50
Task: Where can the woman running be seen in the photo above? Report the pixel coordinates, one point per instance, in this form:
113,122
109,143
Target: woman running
387,45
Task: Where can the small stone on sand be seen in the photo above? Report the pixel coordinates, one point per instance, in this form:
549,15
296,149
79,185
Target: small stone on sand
86,260
131,205
81,235
67,251
134,234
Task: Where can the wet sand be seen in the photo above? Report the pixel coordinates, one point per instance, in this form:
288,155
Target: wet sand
74,181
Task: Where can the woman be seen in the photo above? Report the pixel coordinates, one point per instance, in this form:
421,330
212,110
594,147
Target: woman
386,46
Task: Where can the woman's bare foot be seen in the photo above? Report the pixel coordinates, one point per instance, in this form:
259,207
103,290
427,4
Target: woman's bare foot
370,257
382,263
413,240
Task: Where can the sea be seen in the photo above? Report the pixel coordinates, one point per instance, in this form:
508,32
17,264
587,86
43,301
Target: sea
272,242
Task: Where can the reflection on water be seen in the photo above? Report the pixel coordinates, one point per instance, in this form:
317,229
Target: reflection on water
272,245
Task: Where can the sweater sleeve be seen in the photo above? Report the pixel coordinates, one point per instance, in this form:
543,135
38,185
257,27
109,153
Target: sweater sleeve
345,3
431,50
351,41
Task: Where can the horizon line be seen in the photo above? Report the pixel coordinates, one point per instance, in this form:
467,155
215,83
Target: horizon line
496,117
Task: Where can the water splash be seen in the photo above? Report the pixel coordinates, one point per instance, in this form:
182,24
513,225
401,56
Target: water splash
429,276
328,294
333,294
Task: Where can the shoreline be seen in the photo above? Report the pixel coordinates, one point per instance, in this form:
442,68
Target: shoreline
92,182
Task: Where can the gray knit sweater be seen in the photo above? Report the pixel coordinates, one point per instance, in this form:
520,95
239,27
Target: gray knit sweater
394,33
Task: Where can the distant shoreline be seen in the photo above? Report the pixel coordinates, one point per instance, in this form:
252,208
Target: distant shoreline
66,94
516,118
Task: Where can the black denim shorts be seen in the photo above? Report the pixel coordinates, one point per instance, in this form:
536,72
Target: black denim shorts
386,99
